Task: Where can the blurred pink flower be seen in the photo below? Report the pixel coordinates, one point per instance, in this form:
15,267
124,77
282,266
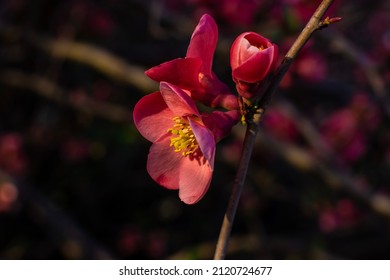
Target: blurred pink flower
328,220
12,158
341,132
93,19
8,196
74,149
310,66
156,244
129,240
340,216
225,10
194,72
247,11
280,125
183,150
366,111
348,129
378,28
252,58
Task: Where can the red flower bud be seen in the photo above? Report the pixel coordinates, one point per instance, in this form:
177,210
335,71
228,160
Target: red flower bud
252,57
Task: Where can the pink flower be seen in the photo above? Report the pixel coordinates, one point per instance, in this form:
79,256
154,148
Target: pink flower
229,11
183,150
225,10
280,125
349,129
12,157
310,66
252,58
194,72
8,196
343,215
342,131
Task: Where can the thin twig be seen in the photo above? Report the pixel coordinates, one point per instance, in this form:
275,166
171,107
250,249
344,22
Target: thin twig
334,178
228,219
341,44
48,89
253,125
100,59
97,58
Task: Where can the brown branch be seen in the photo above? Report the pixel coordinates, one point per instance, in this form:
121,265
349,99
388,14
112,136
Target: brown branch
336,179
325,163
253,126
341,44
52,91
309,132
99,59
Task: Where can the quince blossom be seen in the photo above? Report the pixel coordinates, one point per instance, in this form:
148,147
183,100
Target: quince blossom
194,72
252,58
183,150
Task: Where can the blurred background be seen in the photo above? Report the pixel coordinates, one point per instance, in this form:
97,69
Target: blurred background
73,183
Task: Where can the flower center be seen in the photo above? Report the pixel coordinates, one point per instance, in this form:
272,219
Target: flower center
183,138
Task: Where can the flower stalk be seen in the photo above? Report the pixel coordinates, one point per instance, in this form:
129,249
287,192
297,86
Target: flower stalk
254,118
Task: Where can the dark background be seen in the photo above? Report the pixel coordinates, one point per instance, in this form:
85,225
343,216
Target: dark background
73,183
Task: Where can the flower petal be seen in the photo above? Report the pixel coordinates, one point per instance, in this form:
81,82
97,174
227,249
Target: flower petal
239,51
178,100
245,46
252,57
164,163
195,178
191,175
152,117
256,67
183,72
203,42
220,123
205,139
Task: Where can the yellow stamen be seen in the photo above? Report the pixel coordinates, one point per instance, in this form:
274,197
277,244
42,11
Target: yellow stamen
185,140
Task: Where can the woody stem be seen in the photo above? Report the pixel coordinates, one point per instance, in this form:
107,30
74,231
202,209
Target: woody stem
314,24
